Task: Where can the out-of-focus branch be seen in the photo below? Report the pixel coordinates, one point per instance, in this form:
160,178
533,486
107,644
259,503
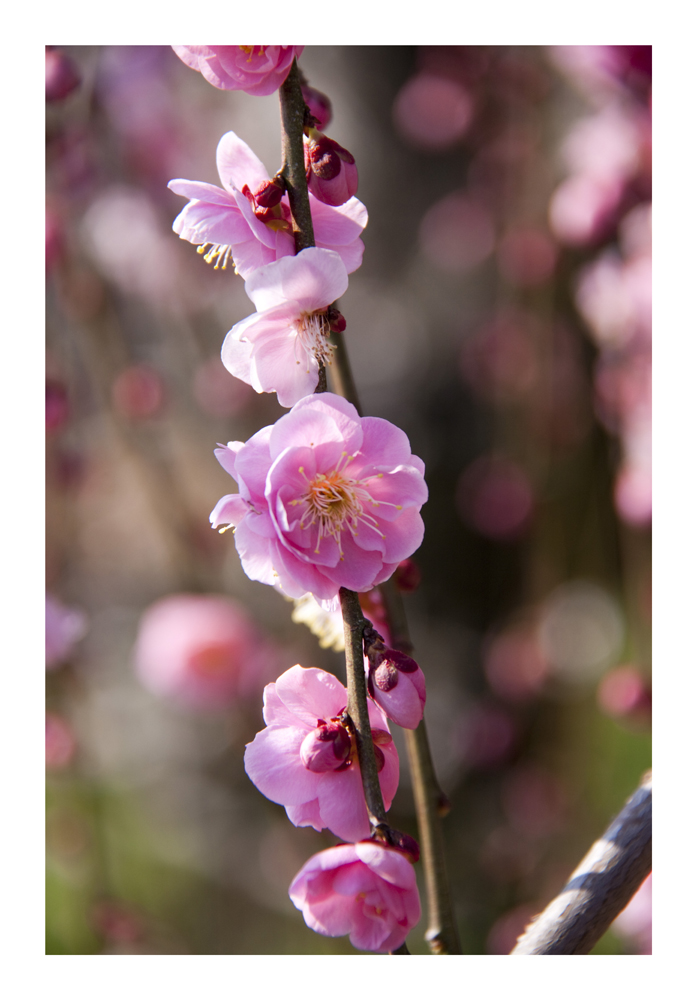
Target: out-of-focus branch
600,888
441,934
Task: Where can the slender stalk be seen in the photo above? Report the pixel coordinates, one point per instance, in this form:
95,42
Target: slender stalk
431,803
341,374
600,887
293,171
357,707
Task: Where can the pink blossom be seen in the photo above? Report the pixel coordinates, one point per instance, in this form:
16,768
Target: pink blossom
232,223
332,175
365,890
306,759
256,69
62,76
432,112
64,628
327,499
395,682
279,348
202,650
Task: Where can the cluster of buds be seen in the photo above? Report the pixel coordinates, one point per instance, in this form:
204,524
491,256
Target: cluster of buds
395,681
332,175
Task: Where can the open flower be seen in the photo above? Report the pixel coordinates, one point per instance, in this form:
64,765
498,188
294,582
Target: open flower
279,348
237,222
256,69
365,890
306,759
327,499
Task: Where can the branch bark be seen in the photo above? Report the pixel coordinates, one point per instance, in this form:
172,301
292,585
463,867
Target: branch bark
357,707
600,887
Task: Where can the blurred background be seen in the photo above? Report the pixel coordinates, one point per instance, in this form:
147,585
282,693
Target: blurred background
502,318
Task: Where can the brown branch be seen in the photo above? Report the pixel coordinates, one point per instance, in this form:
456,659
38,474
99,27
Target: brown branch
600,888
441,934
357,707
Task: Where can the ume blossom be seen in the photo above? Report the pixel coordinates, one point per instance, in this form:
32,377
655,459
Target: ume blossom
306,758
327,499
240,222
365,890
280,347
256,69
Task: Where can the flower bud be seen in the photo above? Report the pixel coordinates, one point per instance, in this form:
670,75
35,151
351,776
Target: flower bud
319,106
396,683
269,193
337,323
407,576
332,175
61,75
406,844
325,748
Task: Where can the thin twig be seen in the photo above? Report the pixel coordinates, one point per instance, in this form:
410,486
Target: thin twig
600,888
357,708
293,172
441,934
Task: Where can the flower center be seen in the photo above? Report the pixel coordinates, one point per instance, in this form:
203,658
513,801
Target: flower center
249,50
335,501
312,329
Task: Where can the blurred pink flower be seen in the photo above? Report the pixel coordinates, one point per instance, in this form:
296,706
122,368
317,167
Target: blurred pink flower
327,499
527,257
279,348
64,628
365,890
60,742
486,735
495,497
216,393
499,360
624,692
431,112
62,76
332,174
306,758
515,666
234,224
138,392
257,69
202,650
57,405
457,233
635,922
534,801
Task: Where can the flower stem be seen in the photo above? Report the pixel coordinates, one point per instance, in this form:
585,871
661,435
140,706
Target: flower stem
293,171
354,622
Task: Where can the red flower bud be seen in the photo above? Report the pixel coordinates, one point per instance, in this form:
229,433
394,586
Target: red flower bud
337,323
332,175
269,193
325,748
407,576
386,676
318,105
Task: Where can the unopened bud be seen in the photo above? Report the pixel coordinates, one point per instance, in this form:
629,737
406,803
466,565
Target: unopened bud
405,664
407,576
62,76
406,844
331,170
269,194
337,323
386,676
319,106
325,748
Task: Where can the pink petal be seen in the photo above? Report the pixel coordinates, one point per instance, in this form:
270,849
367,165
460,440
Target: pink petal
250,255
209,194
255,554
272,762
280,364
384,445
306,814
238,165
227,456
340,225
342,804
311,694
260,231
404,535
351,255
388,864
229,509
